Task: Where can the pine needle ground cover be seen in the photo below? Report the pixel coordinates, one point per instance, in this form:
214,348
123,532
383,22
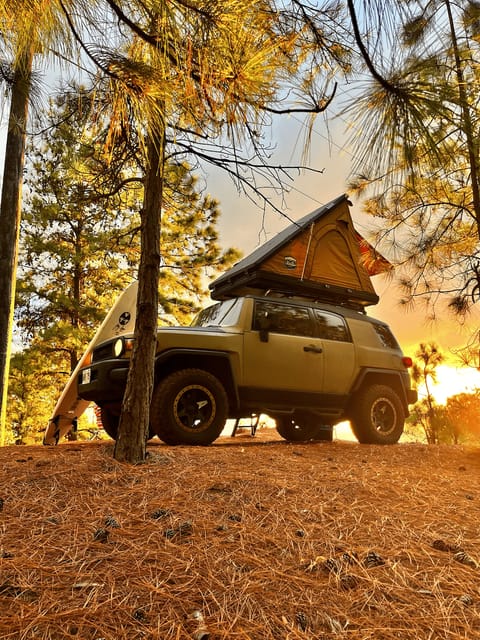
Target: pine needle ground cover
250,538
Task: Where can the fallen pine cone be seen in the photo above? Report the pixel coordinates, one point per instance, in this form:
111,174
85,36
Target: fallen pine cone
372,559
185,529
332,565
464,558
441,545
101,535
350,558
111,522
348,581
160,513
302,620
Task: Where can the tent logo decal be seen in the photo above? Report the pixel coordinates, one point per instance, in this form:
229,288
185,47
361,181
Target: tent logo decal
124,318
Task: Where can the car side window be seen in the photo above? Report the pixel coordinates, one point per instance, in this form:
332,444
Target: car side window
331,326
283,318
386,336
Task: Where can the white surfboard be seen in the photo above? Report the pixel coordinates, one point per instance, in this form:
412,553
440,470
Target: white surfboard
119,320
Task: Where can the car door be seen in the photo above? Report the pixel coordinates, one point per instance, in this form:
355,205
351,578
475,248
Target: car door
281,351
338,352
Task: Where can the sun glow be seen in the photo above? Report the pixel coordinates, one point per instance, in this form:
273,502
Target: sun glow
451,381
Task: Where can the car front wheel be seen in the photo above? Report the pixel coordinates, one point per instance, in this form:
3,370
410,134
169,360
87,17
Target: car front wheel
189,407
378,416
110,421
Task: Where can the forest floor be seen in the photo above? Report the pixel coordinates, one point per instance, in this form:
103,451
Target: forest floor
250,538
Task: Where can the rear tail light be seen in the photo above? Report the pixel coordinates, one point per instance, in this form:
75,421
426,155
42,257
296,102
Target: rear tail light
407,361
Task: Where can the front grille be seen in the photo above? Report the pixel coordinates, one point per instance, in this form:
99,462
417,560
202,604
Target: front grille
103,352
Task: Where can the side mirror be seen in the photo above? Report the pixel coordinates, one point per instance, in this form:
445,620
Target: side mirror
264,324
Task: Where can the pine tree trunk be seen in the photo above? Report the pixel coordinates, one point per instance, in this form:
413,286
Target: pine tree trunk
134,420
10,211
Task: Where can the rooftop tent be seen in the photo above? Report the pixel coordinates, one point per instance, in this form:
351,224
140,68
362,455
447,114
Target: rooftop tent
320,256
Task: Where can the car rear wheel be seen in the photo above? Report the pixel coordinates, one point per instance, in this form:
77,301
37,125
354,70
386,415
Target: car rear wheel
378,416
303,426
189,407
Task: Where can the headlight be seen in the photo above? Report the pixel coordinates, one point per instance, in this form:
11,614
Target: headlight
123,347
118,347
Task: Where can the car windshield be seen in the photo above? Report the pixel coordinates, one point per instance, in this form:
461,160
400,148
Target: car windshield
222,314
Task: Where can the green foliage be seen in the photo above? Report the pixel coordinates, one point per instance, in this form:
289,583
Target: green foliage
418,154
455,422
32,389
425,414
80,245
76,252
431,422
189,247
463,411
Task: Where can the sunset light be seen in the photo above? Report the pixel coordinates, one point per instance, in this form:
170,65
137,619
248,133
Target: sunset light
452,381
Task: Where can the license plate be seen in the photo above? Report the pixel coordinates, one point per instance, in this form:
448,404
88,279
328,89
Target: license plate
86,376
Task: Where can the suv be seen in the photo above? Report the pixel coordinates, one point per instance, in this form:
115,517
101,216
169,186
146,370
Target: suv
308,365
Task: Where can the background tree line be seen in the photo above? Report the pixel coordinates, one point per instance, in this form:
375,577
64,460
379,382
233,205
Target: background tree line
80,246
456,421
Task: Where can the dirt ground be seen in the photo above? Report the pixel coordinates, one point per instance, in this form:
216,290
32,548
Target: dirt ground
250,538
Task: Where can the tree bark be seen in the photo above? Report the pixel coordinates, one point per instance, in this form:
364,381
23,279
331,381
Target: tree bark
10,213
135,415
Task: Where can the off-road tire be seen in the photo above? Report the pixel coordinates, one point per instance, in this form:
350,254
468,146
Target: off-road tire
324,433
302,427
378,416
190,407
110,421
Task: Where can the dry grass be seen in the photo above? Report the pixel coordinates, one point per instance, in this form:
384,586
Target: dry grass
268,540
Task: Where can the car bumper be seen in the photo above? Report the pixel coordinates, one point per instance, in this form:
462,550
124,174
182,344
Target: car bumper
412,396
103,382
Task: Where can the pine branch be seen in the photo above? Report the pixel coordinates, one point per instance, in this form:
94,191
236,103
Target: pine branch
388,86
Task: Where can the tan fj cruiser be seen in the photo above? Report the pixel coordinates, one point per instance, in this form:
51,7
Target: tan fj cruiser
308,365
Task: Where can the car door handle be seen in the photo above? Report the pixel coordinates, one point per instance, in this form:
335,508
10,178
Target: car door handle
313,348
